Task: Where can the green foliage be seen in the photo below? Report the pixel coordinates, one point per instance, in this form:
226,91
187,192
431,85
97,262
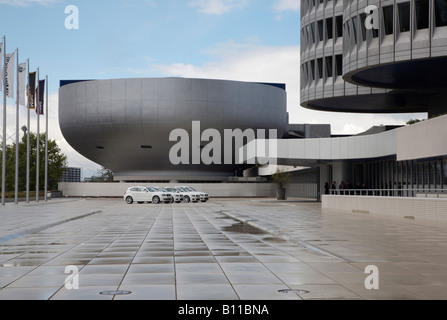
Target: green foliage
413,121
103,175
281,177
56,163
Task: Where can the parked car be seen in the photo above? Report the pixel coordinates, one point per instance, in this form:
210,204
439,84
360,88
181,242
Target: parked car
204,197
188,196
176,197
143,194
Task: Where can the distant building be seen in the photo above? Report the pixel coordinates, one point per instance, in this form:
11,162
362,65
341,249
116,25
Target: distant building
71,175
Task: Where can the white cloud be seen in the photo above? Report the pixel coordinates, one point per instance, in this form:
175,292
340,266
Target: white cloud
286,5
218,7
26,3
282,6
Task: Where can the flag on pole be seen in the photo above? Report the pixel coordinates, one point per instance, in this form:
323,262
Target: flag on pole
22,81
9,74
40,92
1,64
32,90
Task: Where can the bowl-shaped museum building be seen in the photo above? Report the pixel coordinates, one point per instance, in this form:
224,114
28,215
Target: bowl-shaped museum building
126,125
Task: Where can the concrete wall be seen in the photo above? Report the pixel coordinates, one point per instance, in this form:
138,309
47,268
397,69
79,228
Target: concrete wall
331,149
433,210
213,189
422,140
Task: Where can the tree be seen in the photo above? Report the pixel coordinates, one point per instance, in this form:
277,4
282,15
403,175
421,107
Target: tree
281,177
103,175
56,163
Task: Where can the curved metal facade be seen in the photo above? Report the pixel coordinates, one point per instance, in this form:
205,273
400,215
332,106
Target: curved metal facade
125,124
398,67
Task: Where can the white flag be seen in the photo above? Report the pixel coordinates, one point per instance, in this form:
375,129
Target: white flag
1,65
22,80
9,74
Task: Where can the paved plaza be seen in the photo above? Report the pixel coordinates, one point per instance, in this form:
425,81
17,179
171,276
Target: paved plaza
226,249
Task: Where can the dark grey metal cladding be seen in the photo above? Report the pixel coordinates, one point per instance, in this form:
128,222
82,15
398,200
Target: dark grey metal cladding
125,124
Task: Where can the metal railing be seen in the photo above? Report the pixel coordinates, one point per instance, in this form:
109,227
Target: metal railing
409,193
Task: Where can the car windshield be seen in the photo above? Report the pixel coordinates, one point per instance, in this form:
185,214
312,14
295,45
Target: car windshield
190,189
171,189
182,189
152,189
162,189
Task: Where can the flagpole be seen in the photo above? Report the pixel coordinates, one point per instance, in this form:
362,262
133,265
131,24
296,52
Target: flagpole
4,126
28,135
46,139
38,137
17,132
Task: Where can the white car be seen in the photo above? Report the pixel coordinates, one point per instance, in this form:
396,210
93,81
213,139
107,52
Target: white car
189,196
143,194
176,196
204,197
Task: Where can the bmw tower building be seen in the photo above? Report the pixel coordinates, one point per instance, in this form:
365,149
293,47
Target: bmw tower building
374,56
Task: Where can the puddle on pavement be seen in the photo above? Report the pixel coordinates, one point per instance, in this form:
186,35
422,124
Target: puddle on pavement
274,239
243,228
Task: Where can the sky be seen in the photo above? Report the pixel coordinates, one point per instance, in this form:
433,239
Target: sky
244,40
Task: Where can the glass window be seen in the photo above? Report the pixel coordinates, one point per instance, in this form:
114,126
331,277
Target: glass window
441,13
362,25
303,77
422,14
306,71
388,12
404,16
339,64
329,27
320,30
339,26
348,29
438,173
329,66
312,32
320,67
308,37
354,29
444,171
312,69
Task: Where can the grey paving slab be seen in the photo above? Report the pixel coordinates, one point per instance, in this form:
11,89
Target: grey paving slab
226,249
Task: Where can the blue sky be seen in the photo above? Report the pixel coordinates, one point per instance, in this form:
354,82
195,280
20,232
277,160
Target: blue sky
246,40
125,38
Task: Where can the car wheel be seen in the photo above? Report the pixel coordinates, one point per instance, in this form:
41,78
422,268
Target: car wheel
156,200
129,200
187,199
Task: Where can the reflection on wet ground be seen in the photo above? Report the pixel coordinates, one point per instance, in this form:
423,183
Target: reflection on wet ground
242,227
226,249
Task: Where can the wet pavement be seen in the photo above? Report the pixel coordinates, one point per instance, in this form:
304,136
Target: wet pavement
226,249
